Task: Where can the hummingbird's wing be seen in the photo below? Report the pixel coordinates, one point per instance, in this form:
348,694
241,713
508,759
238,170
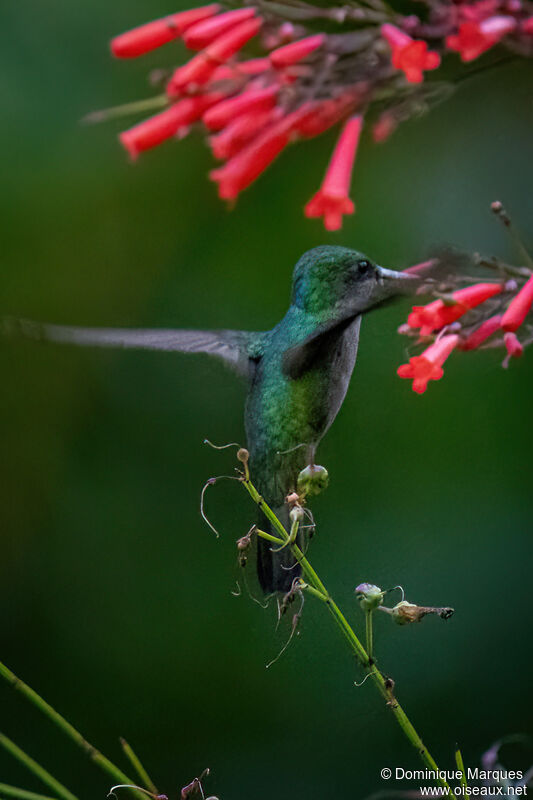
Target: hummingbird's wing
297,360
233,347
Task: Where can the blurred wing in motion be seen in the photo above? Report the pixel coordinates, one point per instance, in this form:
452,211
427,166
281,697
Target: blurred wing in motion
230,346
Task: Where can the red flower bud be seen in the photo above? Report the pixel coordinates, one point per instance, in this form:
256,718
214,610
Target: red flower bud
203,33
155,130
238,132
322,115
200,69
296,51
332,201
482,333
245,167
423,268
519,307
154,34
428,366
227,110
512,345
384,127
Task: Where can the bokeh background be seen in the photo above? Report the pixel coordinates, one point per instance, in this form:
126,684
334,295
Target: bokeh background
115,597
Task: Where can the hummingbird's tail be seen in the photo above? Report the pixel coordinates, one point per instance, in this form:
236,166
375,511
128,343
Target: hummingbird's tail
276,571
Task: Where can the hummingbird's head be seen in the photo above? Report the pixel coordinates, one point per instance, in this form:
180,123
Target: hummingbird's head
335,280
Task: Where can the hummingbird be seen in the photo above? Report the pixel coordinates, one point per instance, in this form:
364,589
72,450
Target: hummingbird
297,374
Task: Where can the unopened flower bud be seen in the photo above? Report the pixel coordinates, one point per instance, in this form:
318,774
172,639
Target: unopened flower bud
296,514
369,596
312,480
243,455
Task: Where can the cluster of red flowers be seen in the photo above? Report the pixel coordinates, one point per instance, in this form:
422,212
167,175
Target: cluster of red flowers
371,65
477,316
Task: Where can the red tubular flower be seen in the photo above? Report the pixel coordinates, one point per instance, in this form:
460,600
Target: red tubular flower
227,110
423,268
527,25
437,314
318,117
235,135
154,34
254,66
482,333
428,366
410,55
243,169
474,38
296,51
512,345
162,126
203,33
519,307
200,69
332,201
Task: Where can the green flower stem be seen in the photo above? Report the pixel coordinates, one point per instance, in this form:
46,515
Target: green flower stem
95,755
134,760
268,536
22,794
137,107
369,633
33,766
317,588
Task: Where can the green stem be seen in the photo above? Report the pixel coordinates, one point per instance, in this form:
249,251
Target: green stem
54,716
137,107
23,794
384,687
33,766
369,634
268,536
460,766
146,781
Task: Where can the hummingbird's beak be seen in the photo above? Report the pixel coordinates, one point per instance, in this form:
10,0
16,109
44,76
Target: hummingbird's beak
398,282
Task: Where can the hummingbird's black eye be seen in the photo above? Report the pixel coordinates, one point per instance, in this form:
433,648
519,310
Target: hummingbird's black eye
363,266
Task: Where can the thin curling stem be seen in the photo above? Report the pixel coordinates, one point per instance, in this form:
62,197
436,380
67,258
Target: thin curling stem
321,593
38,771
54,716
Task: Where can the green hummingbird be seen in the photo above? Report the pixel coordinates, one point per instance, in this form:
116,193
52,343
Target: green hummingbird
297,374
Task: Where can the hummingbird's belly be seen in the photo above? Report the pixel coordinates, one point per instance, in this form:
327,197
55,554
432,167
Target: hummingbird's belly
286,418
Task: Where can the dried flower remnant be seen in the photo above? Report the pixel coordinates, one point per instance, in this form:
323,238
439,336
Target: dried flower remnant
405,613
369,61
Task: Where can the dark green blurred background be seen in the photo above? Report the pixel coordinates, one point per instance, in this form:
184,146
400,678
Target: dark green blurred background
115,598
